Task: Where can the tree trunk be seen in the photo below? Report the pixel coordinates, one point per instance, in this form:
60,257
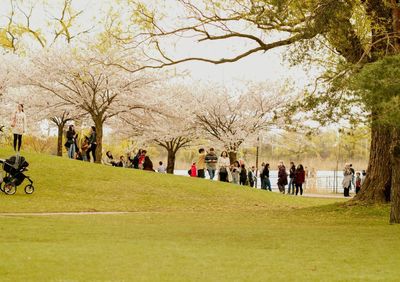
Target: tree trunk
60,139
395,152
232,156
171,161
99,139
376,188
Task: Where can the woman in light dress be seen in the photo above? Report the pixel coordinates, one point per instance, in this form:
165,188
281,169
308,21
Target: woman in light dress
18,124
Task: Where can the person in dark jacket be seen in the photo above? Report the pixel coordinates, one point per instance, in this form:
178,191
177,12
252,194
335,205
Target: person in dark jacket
211,163
282,177
265,176
243,175
71,140
292,180
300,177
93,144
135,161
147,164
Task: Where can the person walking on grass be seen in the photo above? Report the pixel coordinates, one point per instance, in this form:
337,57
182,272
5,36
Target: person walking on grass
299,179
223,166
18,124
282,177
201,163
211,160
292,172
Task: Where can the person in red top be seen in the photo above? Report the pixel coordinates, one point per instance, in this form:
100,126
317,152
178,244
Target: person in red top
193,170
300,177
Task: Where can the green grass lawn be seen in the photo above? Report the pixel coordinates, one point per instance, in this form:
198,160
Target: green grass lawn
184,229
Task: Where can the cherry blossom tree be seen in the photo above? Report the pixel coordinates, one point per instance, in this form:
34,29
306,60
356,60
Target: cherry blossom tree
170,123
81,79
231,120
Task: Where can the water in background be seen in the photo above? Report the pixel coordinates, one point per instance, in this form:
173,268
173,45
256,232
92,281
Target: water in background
325,181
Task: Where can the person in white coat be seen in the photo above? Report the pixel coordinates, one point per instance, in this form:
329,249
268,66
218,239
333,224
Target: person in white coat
18,124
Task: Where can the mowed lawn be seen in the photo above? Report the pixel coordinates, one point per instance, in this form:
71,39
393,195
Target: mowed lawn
183,229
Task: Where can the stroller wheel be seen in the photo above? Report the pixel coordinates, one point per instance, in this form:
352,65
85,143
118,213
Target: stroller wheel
29,189
9,188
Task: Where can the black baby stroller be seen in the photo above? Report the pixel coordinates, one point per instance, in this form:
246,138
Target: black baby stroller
14,168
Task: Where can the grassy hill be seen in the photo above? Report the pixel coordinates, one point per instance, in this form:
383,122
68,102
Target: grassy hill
184,229
68,185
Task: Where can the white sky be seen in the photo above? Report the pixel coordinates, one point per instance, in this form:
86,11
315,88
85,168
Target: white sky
257,67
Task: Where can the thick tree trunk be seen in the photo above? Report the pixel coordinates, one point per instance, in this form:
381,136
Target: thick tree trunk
232,156
99,139
60,139
376,188
171,161
395,152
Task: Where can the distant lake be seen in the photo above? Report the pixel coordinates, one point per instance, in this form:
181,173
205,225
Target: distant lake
324,182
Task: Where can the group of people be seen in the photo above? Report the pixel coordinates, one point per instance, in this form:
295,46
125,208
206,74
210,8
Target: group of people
237,173
81,149
227,172
352,178
140,160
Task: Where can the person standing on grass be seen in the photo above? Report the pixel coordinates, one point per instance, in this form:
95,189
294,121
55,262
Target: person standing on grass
265,176
71,140
92,144
346,183
201,163
262,179
292,172
252,176
282,177
18,124
299,179
358,182
223,166
211,160
235,171
353,174
193,170
243,175
363,176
